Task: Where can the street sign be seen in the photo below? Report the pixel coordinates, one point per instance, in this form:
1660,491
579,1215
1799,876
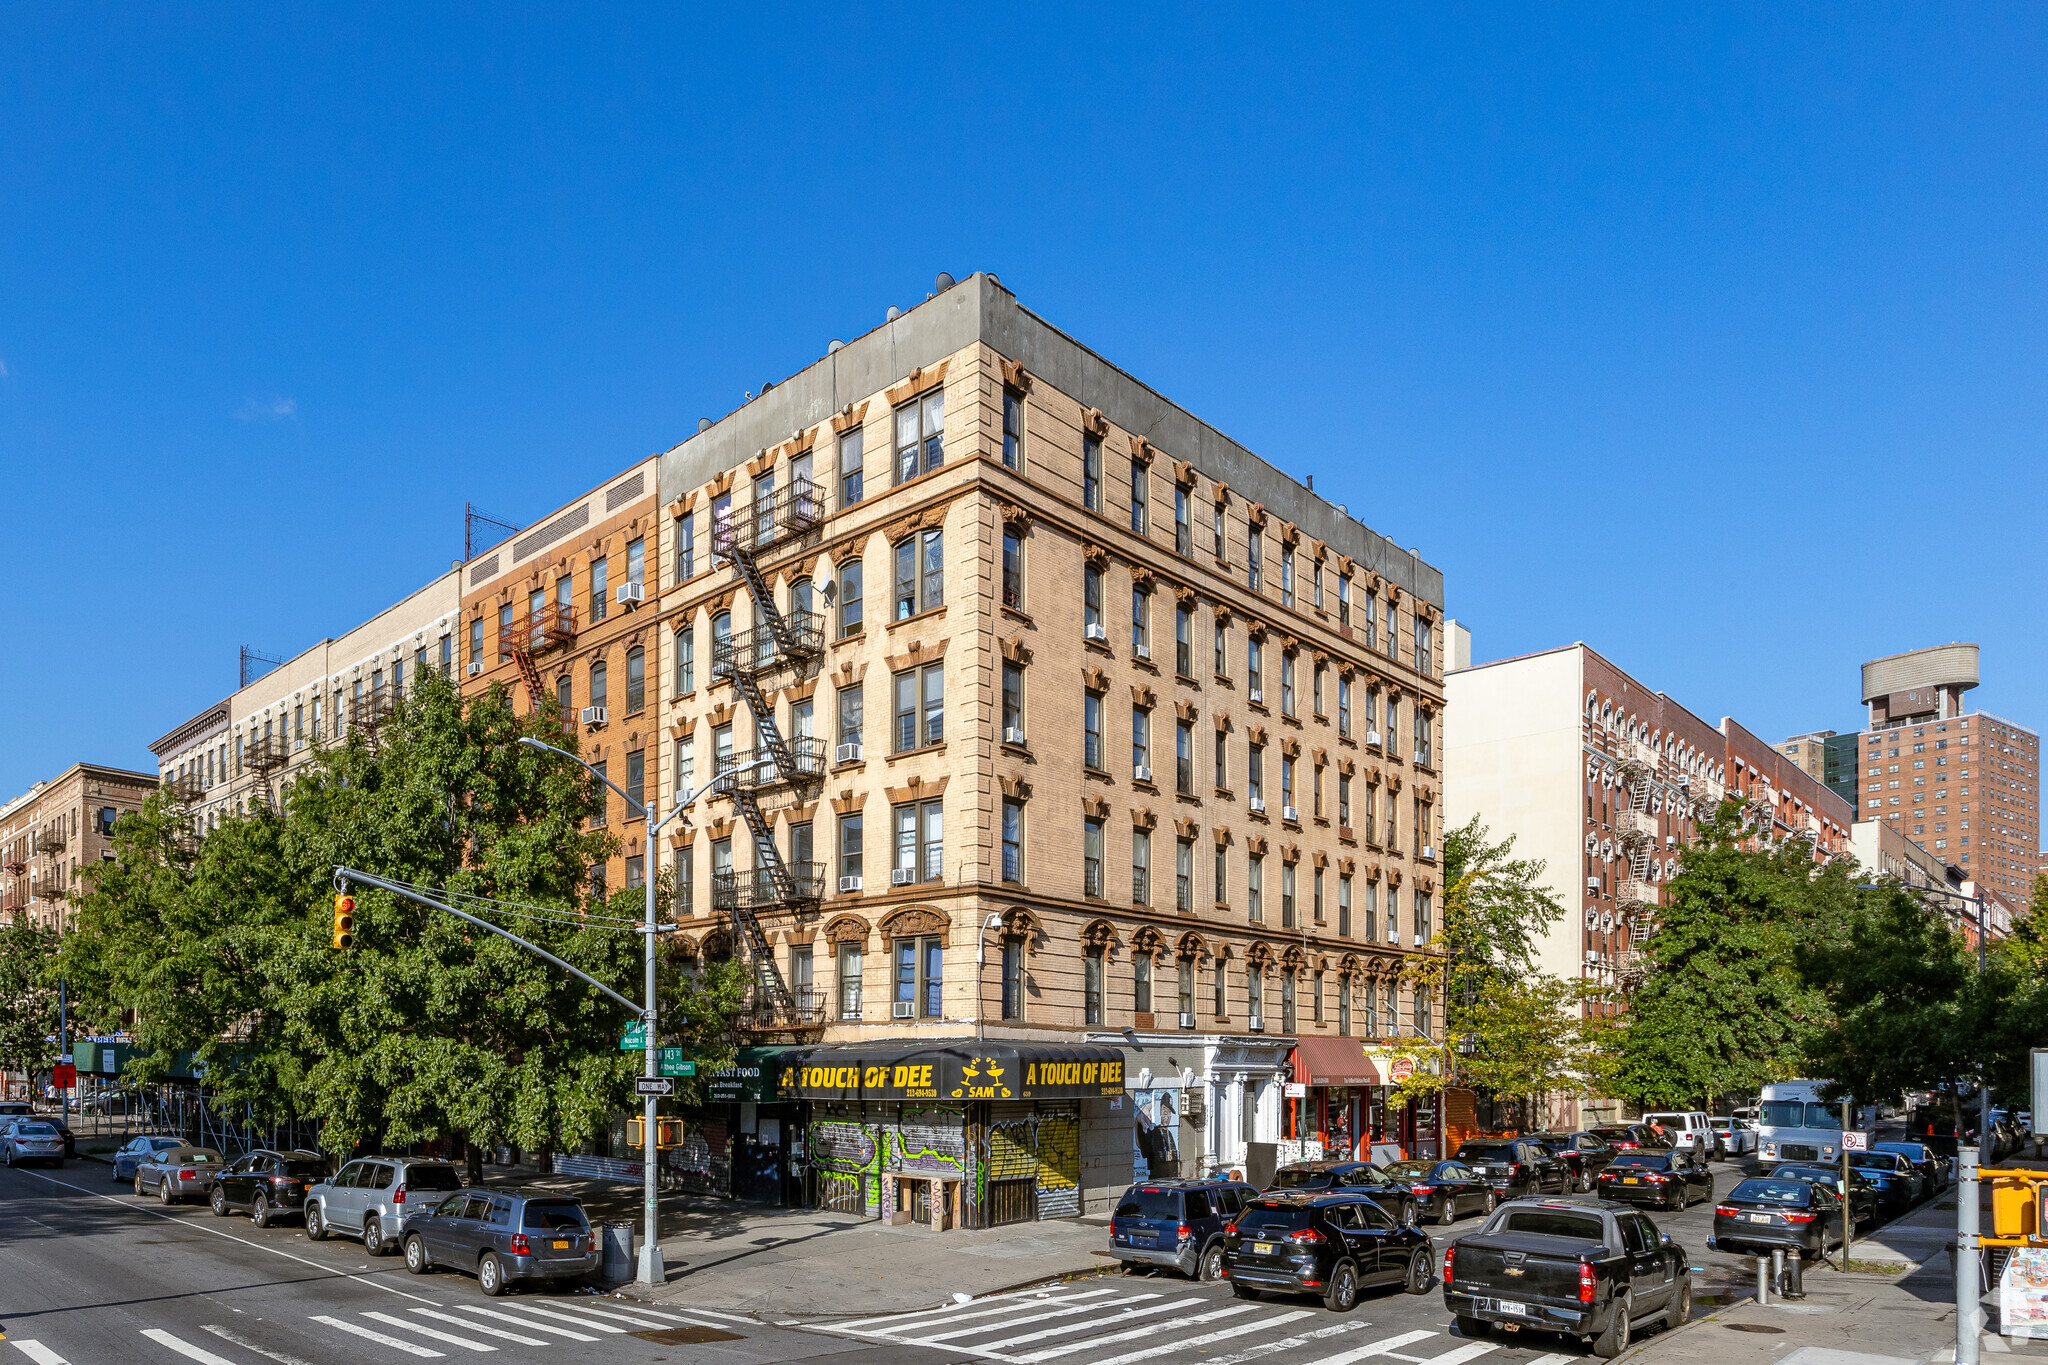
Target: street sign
673,1063
1855,1142
635,1039
66,1076
653,1085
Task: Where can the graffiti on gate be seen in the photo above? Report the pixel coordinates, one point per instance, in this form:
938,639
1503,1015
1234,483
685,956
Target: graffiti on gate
1046,1148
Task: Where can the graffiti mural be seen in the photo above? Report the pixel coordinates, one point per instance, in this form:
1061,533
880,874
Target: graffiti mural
918,1140
1043,1148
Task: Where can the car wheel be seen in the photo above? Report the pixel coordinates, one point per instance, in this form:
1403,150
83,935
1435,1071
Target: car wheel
163,1192
1615,1339
490,1275
1680,1311
219,1200
1585,1182
1243,1290
1492,1200
1421,1271
1342,1294
1445,1210
1469,1327
139,1191
316,1226
416,1255
259,1211
1210,1267
373,1235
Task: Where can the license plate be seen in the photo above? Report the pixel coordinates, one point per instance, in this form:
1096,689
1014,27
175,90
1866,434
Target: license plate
1510,1307
561,1246
1146,1239
1630,1180
1759,1218
1263,1248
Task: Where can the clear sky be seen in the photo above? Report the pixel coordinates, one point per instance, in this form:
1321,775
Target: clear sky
1712,337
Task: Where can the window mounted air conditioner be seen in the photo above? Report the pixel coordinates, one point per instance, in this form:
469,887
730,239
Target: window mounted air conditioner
1258,694
1187,1021
900,1009
1593,884
1372,738
1013,734
1420,940
1142,651
848,753
1429,850
1258,805
902,876
1256,1024
1671,841
1096,632
1141,773
631,594
593,715
476,666
849,884
1290,813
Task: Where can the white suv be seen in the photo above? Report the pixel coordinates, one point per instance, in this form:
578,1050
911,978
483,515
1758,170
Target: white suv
1687,1132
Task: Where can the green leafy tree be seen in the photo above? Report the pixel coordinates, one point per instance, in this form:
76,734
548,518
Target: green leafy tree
28,997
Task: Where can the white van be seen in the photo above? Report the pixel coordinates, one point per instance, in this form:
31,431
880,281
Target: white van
1687,1131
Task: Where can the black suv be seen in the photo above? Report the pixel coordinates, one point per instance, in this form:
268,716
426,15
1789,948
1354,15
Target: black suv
266,1183
1177,1224
1516,1166
1584,1155
1351,1177
1330,1244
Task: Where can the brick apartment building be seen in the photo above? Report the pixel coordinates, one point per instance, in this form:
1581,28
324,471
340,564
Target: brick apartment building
57,827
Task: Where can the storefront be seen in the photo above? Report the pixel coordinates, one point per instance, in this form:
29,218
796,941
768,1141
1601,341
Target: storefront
749,1144
1391,1132
1328,1111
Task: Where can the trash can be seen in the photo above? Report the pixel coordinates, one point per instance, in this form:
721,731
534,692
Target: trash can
618,1253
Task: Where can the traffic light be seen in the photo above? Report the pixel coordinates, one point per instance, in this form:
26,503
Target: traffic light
344,921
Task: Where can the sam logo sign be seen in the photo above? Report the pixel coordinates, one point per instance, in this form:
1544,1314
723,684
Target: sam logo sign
981,1078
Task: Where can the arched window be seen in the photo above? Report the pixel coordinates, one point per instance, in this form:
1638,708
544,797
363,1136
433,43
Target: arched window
597,683
636,679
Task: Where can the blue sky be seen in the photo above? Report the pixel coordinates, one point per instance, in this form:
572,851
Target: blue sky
1712,337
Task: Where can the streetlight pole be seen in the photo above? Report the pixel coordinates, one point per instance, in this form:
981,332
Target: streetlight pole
651,1269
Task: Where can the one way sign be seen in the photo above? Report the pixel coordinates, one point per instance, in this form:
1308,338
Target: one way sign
653,1085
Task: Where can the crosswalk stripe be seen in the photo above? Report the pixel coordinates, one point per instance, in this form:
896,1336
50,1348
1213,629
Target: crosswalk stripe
39,1353
1223,1335
1457,1357
990,1307
237,1339
1067,1312
1272,1347
393,1342
498,1332
1372,1348
521,1321
615,1315
432,1333
1149,1329
635,1311
184,1348
1550,1360
538,1311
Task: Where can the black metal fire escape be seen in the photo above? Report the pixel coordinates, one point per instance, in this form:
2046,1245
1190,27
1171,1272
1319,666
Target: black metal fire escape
780,647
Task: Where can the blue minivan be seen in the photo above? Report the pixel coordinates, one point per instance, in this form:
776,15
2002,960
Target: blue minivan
1177,1224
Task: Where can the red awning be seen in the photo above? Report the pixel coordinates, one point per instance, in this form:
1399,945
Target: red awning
1334,1061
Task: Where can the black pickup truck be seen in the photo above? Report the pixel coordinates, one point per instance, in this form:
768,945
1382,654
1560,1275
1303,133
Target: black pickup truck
1581,1267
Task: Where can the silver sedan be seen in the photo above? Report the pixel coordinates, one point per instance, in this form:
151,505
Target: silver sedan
181,1173
31,1139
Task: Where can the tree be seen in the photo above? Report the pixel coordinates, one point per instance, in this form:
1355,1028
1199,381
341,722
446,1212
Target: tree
28,999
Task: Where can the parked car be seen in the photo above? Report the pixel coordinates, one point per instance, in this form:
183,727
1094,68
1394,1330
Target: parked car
23,1140
136,1150
368,1198
1899,1182
1443,1189
1359,1177
1930,1163
1687,1130
1630,1137
1328,1243
1581,1267
1866,1203
1584,1155
1515,1166
177,1173
266,1183
1768,1213
500,1238
1177,1224
1733,1137
1670,1180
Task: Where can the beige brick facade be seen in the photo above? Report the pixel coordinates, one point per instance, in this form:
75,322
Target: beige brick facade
58,827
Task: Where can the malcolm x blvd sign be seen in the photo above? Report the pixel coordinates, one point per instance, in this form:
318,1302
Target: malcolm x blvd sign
950,1071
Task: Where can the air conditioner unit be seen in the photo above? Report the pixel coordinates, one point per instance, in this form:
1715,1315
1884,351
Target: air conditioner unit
900,1010
1258,695
1593,884
1096,632
1290,813
1187,1021
1671,841
593,715
1429,850
1141,773
1256,1024
1258,805
1420,940
848,753
1372,738
631,594
476,666
1142,651
1013,734
902,876
1592,955
849,883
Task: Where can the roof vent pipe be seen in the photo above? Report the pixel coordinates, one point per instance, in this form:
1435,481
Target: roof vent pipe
834,345
894,313
703,424
943,283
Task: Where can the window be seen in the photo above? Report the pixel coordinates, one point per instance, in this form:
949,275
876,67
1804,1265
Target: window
920,841
1316,692
316,735
1222,650
1140,509
1344,905
636,679
1013,570
1255,886
1141,982
1424,646
1319,895
1255,772
1184,758
1422,908
1091,730
1091,602
636,871
1091,856
1392,634
849,598
920,707
1255,667
604,794
1141,744
1344,706
1218,528
1222,769
1013,702
1393,734
1219,984
1424,751
920,435
1091,987
850,845
1390,1018
920,574
1287,1016
1287,682
504,649
1013,979
1013,840
1287,576
686,767
1255,993
686,660
1315,578
1343,601
636,784
1287,895
600,570
636,561
721,525
1013,433
919,983
1286,786
1253,555
849,980
1222,874
1370,1000
1091,473
1141,623
1343,1005
1184,985
1343,801
597,683
1183,535
1184,641
686,547
1316,789
1371,635
850,714
1422,1002
1184,876
1141,867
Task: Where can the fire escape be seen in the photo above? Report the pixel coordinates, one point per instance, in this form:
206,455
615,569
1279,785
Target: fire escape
780,648
552,627
264,755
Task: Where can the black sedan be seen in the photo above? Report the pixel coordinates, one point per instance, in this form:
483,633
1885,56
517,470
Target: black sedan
1584,1155
1866,1201
1331,1244
1898,1180
266,1183
1516,1166
1768,1214
1669,1180
1444,1189
1355,1177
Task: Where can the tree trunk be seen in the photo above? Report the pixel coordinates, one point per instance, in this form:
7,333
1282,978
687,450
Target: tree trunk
475,1156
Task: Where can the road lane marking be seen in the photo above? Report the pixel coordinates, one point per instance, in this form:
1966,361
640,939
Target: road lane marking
198,1226
184,1348
1371,1348
646,1313
1149,1329
523,1322
479,1327
1223,1335
1068,1312
1100,1324
236,1339
599,1316
1457,1357
434,1333
951,1312
1271,1347
538,1311
39,1353
1550,1360
408,1347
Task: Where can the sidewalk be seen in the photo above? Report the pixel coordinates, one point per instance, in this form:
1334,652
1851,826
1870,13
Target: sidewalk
1907,1318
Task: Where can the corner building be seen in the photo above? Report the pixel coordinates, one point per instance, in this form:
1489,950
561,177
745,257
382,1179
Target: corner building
1071,768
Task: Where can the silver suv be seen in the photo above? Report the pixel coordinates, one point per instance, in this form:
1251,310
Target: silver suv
370,1197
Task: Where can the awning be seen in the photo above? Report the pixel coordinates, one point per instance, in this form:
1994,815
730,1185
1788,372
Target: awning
959,1069
751,1077
1334,1061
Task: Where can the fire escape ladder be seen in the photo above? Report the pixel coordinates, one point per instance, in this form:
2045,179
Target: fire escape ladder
529,673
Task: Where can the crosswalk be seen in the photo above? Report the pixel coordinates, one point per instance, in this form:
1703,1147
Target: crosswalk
455,1329
1080,1325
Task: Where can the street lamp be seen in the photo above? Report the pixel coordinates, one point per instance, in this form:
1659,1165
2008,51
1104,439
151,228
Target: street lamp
651,1270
